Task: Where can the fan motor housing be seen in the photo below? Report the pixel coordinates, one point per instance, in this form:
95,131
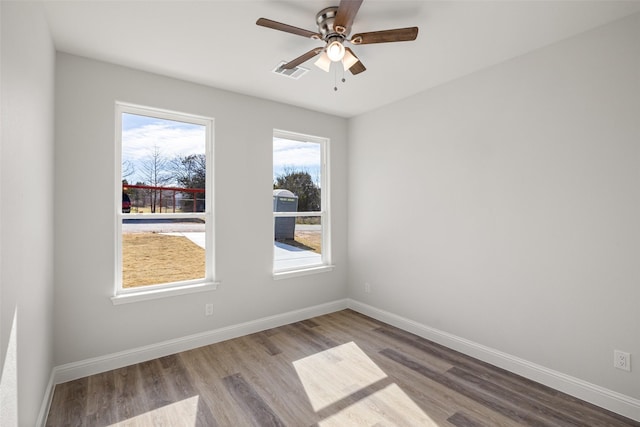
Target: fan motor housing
325,19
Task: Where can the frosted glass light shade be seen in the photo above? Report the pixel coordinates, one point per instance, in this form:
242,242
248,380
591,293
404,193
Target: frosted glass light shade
335,51
349,60
323,62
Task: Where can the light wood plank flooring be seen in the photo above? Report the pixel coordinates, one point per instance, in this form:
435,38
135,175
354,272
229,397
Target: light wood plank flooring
341,369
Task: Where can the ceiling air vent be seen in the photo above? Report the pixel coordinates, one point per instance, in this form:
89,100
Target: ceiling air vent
294,73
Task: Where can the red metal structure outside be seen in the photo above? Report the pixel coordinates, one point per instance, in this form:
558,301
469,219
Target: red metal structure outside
174,190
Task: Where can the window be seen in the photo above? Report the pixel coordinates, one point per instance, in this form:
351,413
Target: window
165,222
301,220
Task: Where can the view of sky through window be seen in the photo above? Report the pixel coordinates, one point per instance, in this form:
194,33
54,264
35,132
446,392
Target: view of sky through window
145,137
299,156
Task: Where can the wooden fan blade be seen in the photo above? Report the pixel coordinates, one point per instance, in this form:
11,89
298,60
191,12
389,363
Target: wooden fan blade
358,67
345,15
264,22
386,36
302,58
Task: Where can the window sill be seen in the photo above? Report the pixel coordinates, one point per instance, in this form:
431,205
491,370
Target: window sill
278,275
129,297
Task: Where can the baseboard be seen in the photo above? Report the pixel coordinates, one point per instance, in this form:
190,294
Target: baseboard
46,401
600,396
83,368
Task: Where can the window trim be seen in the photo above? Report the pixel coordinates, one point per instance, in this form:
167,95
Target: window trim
208,283
324,213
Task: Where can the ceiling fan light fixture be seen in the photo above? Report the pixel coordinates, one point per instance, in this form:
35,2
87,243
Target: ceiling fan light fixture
335,49
323,62
349,60
334,25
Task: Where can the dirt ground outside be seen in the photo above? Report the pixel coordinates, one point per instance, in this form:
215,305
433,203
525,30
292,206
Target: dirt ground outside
154,258
309,240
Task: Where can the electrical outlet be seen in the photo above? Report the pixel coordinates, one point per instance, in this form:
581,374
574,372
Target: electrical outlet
367,287
622,360
208,309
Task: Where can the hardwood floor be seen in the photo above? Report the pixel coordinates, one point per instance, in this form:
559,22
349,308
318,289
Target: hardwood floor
341,369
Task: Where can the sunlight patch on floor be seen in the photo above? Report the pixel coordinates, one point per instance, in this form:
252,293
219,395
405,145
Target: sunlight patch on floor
183,413
334,374
334,377
389,406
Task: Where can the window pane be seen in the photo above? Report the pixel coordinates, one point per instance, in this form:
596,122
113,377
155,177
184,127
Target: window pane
160,251
298,242
163,165
164,179
297,168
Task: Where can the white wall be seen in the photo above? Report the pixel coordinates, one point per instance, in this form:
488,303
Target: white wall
87,324
504,207
26,213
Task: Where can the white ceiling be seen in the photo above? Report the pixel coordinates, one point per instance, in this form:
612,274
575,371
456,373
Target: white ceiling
216,42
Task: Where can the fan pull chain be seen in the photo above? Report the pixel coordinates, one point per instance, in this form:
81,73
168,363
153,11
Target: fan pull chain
335,79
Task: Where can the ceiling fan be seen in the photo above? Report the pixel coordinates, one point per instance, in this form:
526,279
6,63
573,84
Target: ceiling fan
334,25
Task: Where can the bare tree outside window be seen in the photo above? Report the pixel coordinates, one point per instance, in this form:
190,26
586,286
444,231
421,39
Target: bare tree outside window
154,169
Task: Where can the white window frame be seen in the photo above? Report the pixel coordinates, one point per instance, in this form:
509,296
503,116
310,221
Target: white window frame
324,213
208,283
